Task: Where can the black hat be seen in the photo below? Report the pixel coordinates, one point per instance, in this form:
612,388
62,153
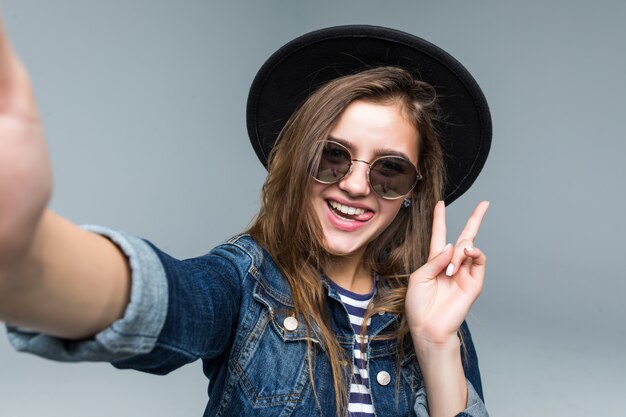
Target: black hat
297,69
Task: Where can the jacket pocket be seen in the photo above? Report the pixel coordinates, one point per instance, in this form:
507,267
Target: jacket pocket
271,366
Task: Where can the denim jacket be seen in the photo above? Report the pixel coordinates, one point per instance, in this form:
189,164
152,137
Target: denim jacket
233,309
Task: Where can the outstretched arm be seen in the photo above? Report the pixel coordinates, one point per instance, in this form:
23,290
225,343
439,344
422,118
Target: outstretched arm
54,277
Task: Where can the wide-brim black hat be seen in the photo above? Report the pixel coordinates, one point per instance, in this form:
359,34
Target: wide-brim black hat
297,69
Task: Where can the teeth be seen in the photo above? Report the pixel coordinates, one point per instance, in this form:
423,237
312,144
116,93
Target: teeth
351,211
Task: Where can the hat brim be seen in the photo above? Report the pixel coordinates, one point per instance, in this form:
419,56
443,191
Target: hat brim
297,69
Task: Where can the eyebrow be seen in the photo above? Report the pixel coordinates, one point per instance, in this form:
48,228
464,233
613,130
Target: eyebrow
377,152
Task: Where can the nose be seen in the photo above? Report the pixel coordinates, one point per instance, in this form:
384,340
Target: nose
356,182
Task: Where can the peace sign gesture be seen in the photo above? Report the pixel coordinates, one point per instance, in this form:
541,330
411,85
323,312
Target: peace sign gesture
441,292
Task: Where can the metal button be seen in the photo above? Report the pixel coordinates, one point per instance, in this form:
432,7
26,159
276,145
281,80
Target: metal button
380,313
383,378
290,323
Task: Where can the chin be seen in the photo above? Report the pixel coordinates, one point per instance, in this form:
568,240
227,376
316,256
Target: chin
341,250
342,244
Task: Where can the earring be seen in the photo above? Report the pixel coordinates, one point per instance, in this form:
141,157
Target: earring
406,203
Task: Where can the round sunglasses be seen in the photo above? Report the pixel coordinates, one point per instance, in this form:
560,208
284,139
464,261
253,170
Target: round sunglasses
391,177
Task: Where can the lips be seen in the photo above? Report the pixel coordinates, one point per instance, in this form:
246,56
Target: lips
350,212
340,217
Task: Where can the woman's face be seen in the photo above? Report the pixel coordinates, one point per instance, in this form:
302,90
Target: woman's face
369,130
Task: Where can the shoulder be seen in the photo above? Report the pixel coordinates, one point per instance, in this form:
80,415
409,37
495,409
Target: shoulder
241,262
253,260
243,252
248,257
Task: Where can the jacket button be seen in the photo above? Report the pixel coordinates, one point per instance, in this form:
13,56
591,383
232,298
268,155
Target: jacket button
290,323
383,378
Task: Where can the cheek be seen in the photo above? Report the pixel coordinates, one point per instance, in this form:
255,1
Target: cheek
391,213
315,191
391,210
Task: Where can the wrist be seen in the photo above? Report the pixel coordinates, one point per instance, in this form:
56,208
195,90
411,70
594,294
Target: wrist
434,338
443,375
440,345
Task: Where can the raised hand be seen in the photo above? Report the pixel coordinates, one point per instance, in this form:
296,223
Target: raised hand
441,292
25,178
54,277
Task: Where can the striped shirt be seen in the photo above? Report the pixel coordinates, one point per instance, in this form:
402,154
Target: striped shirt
360,404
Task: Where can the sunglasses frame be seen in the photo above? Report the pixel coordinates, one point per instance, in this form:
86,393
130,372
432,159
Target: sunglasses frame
418,174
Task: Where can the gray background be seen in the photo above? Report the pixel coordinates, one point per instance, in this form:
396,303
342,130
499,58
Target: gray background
144,107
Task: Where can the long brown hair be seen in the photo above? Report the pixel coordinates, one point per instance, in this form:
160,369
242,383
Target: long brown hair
288,229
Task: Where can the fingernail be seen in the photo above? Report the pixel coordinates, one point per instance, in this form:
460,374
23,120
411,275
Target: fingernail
450,270
445,248
469,249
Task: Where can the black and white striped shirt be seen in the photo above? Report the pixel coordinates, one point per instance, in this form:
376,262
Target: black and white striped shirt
360,404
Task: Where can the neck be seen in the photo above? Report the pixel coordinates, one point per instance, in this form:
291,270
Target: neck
350,272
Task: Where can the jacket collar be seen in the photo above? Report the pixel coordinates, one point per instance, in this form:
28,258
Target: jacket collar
268,276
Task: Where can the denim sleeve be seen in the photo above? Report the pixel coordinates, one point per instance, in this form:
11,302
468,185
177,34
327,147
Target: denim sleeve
133,334
475,399
180,311
202,312
475,405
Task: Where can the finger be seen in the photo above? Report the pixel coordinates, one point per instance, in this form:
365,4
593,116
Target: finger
470,276
477,264
7,57
473,223
477,256
460,254
438,236
436,265
472,268
474,257
15,89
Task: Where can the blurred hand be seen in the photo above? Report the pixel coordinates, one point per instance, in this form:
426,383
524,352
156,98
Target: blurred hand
25,175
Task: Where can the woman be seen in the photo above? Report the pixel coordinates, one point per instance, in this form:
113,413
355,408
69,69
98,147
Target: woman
343,296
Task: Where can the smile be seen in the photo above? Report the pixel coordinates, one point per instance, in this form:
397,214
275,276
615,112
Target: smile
347,218
346,209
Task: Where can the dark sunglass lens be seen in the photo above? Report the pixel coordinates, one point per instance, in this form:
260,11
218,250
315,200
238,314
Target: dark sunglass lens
334,163
392,177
